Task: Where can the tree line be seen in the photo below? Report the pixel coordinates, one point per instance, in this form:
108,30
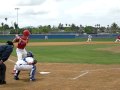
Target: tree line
113,28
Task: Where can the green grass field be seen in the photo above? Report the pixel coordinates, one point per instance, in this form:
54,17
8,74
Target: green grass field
64,40
75,54
71,40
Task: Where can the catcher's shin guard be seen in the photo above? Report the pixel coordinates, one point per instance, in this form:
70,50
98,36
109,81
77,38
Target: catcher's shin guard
32,73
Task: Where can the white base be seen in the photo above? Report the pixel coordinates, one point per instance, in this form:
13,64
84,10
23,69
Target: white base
44,72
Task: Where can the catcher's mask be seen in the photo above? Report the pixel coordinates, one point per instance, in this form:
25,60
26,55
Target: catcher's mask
29,54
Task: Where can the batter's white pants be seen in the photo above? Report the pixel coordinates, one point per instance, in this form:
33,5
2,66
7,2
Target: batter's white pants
21,53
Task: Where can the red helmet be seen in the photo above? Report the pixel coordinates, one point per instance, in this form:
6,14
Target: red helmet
26,32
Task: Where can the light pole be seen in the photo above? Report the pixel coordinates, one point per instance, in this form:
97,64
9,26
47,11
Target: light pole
17,18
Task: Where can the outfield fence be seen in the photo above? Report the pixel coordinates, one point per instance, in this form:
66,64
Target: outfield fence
61,36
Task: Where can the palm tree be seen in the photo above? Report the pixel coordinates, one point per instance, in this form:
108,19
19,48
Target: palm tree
108,29
66,25
2,24
2,27
5,24
6,19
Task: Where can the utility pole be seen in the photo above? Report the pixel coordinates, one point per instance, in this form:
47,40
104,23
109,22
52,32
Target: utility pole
17,18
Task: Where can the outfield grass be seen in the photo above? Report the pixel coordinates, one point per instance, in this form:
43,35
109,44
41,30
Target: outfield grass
75,54
71,40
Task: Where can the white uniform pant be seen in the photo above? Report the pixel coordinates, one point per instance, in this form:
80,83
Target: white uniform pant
31,68
21,53
89,40
24,67
117,40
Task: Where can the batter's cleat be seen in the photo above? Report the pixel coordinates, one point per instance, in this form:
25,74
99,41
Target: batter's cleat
16,78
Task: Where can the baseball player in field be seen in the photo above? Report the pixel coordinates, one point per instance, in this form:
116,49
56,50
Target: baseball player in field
28,64
117,39
21,44
89,38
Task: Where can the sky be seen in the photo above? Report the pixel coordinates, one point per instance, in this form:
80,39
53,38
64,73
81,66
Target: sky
53,12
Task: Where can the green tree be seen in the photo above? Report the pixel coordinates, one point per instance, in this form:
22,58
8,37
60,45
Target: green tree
2,24
89,29
114,28
60,26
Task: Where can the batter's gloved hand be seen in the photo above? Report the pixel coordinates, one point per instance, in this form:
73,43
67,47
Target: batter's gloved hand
17,36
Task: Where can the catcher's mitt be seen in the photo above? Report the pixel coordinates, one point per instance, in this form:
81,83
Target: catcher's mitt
35,62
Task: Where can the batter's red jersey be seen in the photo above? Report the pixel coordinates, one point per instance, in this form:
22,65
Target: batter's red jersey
21,44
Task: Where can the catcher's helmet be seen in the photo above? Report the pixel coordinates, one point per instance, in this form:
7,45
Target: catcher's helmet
26,32
29,54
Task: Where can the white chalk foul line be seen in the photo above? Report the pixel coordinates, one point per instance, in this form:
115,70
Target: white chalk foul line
80,75
87,71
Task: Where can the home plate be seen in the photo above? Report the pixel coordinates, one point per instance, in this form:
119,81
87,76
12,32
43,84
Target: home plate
44,72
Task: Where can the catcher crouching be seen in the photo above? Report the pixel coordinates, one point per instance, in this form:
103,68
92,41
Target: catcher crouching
28,64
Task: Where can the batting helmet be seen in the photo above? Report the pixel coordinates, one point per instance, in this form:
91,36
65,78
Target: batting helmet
26,32
29,54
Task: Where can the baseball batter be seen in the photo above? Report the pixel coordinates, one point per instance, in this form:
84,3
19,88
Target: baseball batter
22,42
27,63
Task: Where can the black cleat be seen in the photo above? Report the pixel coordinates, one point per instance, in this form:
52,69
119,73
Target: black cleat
2,82
16,78
32,79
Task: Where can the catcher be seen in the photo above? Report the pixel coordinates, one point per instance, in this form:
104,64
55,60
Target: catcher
28,64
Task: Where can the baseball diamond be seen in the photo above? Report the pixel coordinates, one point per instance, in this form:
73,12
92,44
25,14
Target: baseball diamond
66,76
